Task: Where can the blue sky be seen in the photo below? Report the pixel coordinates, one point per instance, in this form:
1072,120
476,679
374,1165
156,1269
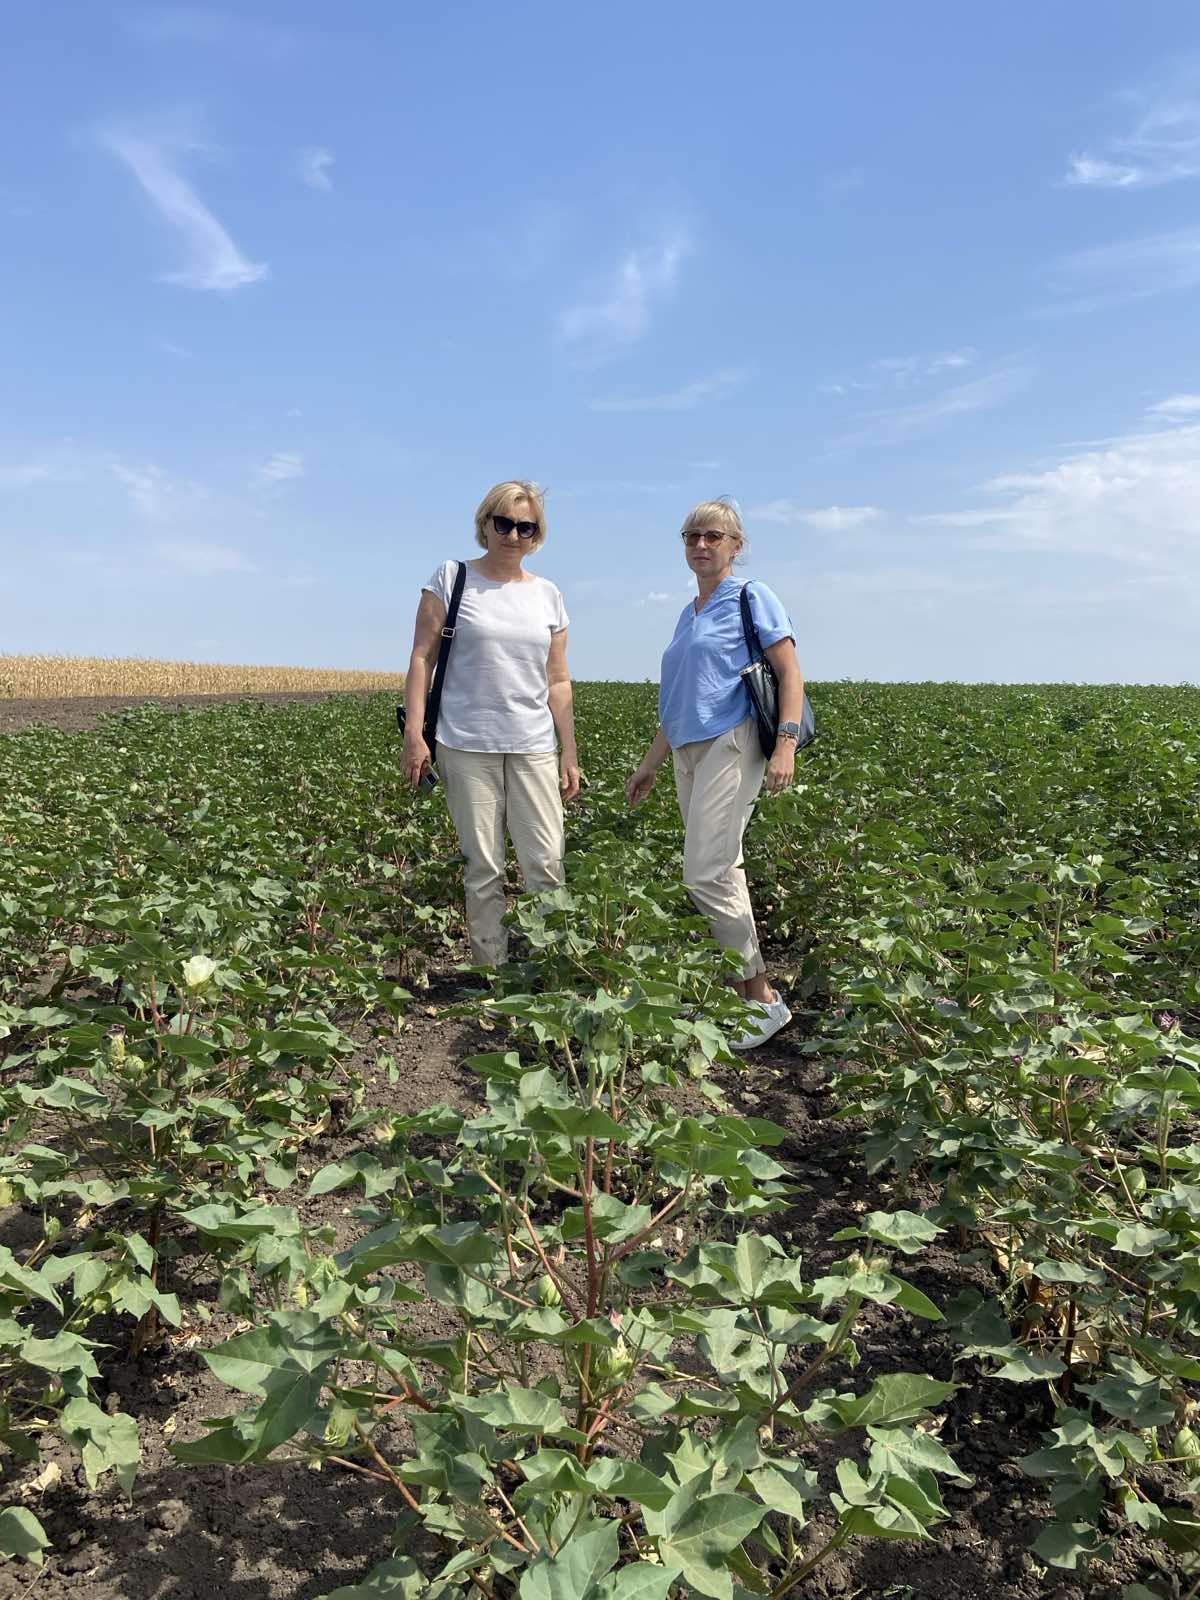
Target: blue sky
288,286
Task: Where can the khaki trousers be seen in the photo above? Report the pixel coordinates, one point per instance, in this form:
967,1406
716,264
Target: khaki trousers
488,791
717,781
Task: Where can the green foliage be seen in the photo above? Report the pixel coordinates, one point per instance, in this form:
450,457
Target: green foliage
987,900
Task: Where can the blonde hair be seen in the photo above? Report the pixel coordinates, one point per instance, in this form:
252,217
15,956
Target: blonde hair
723,513
500,500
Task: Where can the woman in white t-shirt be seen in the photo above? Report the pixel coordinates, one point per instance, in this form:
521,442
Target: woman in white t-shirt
506,705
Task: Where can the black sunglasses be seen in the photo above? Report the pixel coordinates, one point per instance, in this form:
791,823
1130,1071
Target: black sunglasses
525,530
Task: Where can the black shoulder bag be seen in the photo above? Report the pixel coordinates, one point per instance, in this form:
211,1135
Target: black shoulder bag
763,688
433,699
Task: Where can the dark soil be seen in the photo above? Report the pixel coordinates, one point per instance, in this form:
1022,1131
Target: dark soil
78,713
289,1533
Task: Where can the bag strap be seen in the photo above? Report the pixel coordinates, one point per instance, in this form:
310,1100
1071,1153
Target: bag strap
449,629
753,643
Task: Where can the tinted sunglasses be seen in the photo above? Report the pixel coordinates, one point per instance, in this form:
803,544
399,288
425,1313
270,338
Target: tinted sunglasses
524,530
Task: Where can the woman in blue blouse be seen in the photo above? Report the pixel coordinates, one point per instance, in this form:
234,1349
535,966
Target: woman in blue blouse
708,728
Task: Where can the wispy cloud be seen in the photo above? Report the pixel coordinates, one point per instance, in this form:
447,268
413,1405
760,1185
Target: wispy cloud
655,597
198,558
1177,405
896,423
686,398
212,259
152,490
827,519
1163,145
283,466
1129,269
615,314
316,165
903,372
1135,499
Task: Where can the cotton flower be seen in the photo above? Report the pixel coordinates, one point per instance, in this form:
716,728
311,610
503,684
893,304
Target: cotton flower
197,970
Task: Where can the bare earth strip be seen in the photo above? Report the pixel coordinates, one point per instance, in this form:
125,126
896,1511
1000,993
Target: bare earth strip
77,713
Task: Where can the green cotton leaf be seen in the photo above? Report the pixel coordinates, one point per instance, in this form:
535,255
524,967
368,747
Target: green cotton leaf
612,1220
22,1535
374,1176
786,1488
313,1040
140,1250
296,1341
510,1406
551,1472
574,1572
1132,1395
902,1230
66,1352
628,1480
291,1403
1028,1367
1138,1240
904,1450
242,1224
105,1442
188,1047
14,1278
577,1122
229,1440
896,1398
914,1302
642,1581
398,1578
699,1529
1070,1544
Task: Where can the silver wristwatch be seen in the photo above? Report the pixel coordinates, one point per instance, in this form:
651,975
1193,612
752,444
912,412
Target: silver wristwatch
790,730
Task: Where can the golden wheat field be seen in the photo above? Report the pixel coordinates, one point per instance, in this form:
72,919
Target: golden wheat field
66,677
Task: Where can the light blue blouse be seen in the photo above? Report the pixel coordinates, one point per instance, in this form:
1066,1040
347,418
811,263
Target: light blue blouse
700,694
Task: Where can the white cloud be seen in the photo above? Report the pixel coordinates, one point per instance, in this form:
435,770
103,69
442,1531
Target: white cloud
1128,269
902,372
1087,172
895,423
655,597
200,559
1177,405
1134,499
827,519
686,398
617,313
315,166
1162,147
150,488
212,259
283,466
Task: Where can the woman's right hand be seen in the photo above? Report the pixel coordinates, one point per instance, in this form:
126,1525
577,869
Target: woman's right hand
640,785
416,759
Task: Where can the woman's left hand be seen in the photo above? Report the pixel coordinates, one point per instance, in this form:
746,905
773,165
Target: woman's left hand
781,769
570,778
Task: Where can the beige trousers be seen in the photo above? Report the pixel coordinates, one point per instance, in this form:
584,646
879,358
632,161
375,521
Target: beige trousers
717,781
488,791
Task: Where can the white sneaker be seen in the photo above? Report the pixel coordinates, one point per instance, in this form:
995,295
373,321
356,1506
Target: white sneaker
765,1022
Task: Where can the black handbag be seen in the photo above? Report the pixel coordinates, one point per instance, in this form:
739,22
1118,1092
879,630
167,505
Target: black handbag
763,688
433,699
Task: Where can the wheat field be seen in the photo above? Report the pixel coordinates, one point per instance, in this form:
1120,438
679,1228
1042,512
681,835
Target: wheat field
69,677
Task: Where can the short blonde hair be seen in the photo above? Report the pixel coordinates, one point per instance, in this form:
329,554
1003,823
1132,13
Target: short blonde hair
723,513
500,500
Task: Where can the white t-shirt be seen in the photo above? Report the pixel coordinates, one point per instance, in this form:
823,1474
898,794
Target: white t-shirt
496,694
